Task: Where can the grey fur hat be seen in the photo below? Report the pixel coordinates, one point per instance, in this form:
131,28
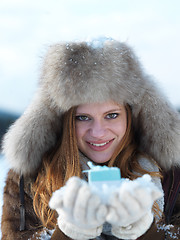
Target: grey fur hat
75,73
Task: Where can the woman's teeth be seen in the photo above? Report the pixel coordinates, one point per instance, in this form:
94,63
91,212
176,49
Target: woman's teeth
99,144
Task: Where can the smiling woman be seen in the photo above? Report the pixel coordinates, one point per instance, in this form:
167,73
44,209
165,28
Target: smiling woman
94,103
100,128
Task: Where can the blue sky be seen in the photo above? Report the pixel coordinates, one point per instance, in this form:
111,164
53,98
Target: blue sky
27,27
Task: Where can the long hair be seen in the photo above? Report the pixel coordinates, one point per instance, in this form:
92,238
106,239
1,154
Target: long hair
127,154
63,162
58,165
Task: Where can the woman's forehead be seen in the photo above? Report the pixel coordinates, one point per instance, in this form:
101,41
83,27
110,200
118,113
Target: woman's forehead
101,107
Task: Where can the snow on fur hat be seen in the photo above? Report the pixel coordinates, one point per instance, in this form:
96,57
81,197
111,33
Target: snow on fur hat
76,73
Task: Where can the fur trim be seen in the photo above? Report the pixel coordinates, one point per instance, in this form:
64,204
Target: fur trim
77,73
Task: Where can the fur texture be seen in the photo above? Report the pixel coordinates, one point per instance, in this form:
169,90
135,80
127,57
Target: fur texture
77,73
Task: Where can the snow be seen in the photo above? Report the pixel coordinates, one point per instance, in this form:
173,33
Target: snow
167,229
98,42
106,189
46,234
106,180
3,173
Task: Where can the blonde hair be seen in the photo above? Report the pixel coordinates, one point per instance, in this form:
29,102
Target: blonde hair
63,162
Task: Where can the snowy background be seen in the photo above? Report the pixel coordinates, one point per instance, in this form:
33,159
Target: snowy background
27,27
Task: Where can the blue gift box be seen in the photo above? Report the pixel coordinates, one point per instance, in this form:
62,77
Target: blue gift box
103,173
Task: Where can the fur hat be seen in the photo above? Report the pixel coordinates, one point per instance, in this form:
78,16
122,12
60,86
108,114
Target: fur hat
77,73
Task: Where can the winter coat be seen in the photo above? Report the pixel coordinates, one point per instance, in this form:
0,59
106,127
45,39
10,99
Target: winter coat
77,73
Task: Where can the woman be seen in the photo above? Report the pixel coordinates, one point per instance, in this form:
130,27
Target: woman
94,102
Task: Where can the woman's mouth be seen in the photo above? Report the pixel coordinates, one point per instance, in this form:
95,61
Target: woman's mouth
100,146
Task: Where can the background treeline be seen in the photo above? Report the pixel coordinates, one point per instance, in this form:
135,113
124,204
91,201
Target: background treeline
6,119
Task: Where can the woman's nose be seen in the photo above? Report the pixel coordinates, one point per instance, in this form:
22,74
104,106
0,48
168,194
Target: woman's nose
98,129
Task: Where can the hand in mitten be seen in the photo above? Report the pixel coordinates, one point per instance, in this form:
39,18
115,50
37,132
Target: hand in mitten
132,201
81,212
134,230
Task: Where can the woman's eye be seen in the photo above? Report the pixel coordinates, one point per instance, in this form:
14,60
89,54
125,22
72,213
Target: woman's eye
82,118
112,115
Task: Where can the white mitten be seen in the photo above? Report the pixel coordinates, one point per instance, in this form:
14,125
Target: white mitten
79,207
76,232
132,201
134,230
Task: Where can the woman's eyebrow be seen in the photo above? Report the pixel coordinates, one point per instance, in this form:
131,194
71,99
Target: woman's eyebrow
114,110
81,113
108,111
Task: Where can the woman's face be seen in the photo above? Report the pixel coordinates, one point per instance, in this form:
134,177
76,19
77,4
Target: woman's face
99,129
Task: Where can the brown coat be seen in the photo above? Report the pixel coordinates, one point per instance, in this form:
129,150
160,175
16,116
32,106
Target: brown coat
11,217
10,222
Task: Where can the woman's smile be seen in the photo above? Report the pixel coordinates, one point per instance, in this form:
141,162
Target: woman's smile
100,146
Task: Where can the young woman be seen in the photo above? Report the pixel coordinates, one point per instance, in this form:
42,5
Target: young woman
93,104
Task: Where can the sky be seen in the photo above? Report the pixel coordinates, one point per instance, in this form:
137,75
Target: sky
28,27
